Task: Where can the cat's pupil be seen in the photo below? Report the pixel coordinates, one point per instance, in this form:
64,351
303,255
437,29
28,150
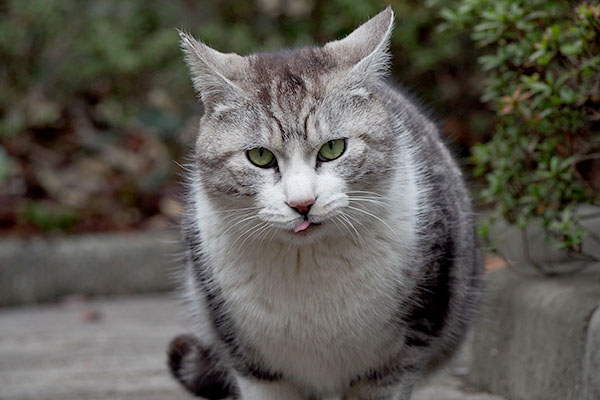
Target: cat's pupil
261,151
330,144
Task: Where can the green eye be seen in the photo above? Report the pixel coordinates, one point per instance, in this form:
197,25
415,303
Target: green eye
261,157
332,150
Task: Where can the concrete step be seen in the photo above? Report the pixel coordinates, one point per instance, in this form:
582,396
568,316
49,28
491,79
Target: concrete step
539,338
40,269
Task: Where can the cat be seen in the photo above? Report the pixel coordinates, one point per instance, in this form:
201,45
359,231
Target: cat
331,249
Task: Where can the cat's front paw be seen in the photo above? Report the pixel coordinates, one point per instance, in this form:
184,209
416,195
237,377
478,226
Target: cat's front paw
198,368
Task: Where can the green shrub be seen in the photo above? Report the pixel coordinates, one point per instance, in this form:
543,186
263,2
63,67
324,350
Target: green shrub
542,65
60,55
47,219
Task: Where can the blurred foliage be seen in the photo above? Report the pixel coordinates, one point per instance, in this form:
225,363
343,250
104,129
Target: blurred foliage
96,101
542,63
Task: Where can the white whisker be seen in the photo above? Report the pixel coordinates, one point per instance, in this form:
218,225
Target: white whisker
379,203
334,220
247,218
186,169
258,231
344,219
350,192
376,217
234,210
246,234
263,234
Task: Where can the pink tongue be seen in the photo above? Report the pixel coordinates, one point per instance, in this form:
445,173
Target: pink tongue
302,226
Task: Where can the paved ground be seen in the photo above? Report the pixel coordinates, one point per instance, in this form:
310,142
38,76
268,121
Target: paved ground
115,349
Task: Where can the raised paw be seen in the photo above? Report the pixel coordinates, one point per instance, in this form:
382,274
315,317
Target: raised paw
198,368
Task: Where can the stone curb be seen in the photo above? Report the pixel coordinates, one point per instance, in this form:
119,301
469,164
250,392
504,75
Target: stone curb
512,243
41,269
539,338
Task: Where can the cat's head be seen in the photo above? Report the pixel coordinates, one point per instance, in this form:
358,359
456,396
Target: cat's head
297,140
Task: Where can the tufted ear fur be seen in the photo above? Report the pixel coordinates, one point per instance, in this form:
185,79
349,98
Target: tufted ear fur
213,73
366,50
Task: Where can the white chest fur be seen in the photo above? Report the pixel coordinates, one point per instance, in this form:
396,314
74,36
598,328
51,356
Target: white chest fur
320,314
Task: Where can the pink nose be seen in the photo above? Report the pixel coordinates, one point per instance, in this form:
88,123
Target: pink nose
301,206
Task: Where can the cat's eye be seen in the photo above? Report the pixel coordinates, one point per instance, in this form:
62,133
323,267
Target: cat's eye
332,150
261,157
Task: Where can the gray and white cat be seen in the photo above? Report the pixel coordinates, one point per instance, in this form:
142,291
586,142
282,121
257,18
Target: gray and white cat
331,251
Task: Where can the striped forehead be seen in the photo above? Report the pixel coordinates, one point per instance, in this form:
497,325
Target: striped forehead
289,85
290,133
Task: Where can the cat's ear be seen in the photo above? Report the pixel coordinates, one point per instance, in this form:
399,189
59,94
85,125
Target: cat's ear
213,73
366,50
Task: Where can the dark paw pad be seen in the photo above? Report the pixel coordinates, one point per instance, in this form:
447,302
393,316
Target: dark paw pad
198,368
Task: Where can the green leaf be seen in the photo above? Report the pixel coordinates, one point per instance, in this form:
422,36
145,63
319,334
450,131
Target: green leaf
554,163
567,95
537,54
448,14
4,164
572,49
488,26
489,62
540,87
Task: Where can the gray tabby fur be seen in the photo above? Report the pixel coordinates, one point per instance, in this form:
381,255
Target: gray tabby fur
360,306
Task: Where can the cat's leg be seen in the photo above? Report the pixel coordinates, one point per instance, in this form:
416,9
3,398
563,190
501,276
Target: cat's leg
255,389
199,369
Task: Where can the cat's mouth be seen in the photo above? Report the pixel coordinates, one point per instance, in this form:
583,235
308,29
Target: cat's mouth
304,225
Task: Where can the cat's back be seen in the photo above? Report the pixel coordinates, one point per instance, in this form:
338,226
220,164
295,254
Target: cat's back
448,255
438,173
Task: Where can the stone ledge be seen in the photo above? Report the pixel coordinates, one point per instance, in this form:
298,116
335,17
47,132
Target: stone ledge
40,269
539,338
591,366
